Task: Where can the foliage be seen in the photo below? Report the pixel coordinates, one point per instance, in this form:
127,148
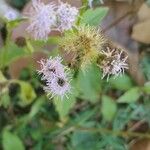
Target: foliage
98,115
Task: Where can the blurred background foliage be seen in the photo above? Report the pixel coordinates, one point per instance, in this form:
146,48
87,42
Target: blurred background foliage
98,115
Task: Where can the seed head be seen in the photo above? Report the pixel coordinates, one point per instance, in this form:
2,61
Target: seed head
86,43
113,62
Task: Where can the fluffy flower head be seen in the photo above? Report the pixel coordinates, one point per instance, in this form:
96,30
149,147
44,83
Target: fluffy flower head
42,18
59,86
66,16
56,75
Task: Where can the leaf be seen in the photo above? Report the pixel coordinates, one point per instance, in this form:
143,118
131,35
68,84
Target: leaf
94,16
36,107
5,100
11,141
10,53
109,108
2,78
130,96
89,84
27,93
63,106
14,23
146,88
123,82
85,141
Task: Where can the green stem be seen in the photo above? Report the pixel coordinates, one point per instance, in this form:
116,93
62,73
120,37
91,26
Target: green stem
124,134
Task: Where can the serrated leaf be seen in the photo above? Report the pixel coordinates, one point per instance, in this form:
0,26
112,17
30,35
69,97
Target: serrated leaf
27,93
89,84
11,141
146,88
130,96
10,53
109,108
94,16
63,106
123,83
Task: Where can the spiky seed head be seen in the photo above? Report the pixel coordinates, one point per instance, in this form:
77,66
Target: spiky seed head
86,42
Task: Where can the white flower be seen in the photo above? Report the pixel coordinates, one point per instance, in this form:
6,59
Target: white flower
11,15
51,67
58,86
114,63
66,16
56,75
42,18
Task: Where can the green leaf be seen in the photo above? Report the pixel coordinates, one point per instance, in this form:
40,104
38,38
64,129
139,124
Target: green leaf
5,100
123,83
89,84
109,108
63,106
146,88
94,16
10,53
85,141
2,78
36,107
14,23
27,93
11,141
130,96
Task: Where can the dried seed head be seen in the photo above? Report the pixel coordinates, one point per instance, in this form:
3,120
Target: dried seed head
113,62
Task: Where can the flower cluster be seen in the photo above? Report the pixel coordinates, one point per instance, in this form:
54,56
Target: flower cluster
44,18
113,62
86,43
56,76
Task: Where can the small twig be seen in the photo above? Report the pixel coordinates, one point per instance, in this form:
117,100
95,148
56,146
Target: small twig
137,125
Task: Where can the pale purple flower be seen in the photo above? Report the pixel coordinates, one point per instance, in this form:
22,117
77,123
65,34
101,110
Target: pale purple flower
42,19
11,15
51,67
66,16
58,86
56,75
114,63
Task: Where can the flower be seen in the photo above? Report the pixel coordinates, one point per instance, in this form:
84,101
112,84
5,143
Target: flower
86,43
56,75
42,18
58,86
51,67
11,15
113,63
66,16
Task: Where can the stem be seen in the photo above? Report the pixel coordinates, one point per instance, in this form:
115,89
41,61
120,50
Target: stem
124,134
117,133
